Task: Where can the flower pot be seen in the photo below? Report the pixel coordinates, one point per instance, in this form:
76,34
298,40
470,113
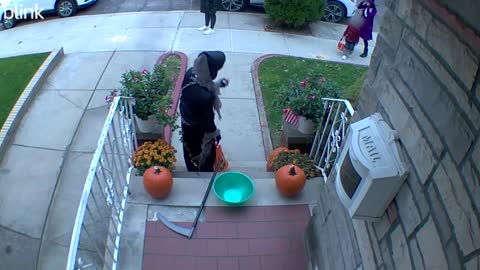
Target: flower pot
305,126
150,125
273,155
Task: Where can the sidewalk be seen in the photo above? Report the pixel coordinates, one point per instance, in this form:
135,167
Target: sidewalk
164,31
43,172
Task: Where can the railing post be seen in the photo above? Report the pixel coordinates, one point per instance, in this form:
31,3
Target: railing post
109,175
330,133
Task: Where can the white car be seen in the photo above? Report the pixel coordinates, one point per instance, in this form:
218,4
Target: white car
13,10
335,10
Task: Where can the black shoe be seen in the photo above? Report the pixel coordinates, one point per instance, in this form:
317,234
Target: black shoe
364,54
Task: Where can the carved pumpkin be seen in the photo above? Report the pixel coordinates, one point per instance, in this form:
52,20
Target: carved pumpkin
158,181
290,180
273,155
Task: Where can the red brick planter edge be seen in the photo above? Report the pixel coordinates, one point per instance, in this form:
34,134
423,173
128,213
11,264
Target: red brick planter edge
262,115
176,91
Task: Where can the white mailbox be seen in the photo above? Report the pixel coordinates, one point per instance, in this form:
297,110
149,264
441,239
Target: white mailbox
369,169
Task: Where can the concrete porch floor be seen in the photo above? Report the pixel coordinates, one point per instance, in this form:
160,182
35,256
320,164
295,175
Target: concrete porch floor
265,233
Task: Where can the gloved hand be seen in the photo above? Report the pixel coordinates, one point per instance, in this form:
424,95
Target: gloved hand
218,138
208,140
199,160
224,82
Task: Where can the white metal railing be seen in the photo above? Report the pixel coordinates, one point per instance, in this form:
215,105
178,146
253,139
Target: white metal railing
329,135
96,234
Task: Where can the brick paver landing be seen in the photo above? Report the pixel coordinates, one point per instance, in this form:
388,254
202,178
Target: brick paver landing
246,238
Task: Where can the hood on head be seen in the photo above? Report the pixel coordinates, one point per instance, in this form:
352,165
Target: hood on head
216,60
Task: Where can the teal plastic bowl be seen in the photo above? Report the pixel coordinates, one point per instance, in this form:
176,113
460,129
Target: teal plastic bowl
233,187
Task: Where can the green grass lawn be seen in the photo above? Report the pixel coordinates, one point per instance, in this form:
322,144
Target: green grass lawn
15,74
278,71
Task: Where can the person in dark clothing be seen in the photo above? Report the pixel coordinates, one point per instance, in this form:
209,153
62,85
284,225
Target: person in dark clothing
198,104
368,11
209,7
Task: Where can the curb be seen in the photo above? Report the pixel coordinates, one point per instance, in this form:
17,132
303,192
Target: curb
25,99
176,91
262,115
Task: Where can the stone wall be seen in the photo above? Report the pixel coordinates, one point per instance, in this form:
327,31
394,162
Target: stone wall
424,79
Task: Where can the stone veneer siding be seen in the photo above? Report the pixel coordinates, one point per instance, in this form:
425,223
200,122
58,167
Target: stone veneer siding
424,79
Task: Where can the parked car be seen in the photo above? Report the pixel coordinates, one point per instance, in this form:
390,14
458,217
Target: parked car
335,10
12,11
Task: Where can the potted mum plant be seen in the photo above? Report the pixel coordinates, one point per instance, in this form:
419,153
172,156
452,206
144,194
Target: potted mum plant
158,153
304,99
153,98
294,157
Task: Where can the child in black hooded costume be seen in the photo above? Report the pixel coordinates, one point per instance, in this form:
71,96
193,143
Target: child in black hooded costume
200,97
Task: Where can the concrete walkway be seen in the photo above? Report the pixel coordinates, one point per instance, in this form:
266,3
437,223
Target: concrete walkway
43,171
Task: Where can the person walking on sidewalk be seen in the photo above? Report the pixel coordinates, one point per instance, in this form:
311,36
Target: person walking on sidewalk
351,36
209,7
200,98
368,11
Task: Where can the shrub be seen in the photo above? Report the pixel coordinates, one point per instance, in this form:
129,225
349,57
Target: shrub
294,13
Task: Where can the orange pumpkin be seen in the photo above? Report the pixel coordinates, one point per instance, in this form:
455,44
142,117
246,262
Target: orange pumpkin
273,155
290,180
158,181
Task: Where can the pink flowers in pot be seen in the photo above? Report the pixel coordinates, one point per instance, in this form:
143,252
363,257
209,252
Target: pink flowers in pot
109,98
304,98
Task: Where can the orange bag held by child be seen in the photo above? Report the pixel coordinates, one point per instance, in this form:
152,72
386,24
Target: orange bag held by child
341,45
220,157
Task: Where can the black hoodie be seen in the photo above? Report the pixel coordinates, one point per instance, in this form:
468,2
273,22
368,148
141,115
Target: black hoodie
196,103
